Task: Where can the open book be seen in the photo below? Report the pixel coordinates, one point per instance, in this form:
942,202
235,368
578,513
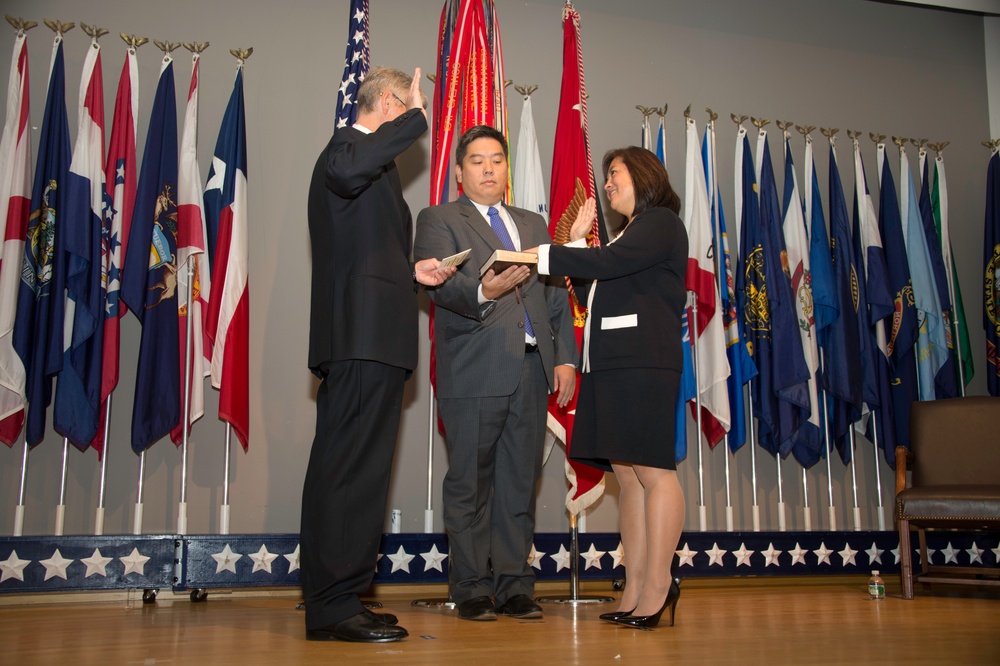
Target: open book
501,260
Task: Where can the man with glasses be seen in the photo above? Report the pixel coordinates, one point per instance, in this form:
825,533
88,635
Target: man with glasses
363,346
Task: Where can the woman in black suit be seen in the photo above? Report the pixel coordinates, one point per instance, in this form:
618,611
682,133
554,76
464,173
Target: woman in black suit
631,365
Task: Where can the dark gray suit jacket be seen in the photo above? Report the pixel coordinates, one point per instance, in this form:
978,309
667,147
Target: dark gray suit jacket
480,349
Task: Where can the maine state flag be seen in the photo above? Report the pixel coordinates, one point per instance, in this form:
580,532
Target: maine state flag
149,285
38,326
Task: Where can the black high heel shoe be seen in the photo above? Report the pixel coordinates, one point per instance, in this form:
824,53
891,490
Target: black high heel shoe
649,621
611,617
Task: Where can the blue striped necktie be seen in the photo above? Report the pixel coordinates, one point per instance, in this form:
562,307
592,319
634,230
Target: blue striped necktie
501,231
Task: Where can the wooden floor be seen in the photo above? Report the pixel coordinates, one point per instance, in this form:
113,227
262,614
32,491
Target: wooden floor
736,621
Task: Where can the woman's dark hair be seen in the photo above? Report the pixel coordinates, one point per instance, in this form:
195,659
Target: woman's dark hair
649,179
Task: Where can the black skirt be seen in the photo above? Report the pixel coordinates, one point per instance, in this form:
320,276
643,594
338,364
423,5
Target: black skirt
626,415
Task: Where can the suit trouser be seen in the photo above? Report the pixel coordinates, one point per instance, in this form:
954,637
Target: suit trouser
494,460
346,486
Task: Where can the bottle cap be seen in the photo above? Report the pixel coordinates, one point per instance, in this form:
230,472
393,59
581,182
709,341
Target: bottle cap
874,572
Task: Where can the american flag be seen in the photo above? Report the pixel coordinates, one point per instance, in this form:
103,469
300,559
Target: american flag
356,63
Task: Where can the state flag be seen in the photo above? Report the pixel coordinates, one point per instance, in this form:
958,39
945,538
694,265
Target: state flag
991,275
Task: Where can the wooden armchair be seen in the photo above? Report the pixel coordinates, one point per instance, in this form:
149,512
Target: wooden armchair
955,464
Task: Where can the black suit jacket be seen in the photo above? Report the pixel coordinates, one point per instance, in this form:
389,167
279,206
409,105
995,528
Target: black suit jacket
640,293
363,303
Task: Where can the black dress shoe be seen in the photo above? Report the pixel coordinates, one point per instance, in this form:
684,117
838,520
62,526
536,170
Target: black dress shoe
358,628
388,618
520,606
616,615
479,609
650,621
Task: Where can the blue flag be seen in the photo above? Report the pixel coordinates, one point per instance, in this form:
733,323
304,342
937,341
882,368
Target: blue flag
842,341
78,390
356,63
932,340
38,326
903,330
991,275
825,300
149,285
946,381
687,391
790,374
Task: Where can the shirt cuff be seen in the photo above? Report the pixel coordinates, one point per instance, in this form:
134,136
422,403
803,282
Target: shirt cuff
543,259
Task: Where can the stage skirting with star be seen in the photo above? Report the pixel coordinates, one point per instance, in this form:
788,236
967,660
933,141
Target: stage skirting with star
43,564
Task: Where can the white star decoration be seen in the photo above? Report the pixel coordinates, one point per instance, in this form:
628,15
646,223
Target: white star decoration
823,554
593,557
798,554
975,555
617,555
561,558
996,552
874,554
293,559
535,558
13,567
262,559
930,554
686,556
359,15
433,559
135,562
949,554
743,555
55,565
770,556
715,555
895,554
226,560
401,560
848,555
96,564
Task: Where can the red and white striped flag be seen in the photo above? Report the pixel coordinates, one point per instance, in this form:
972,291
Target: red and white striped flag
227,323
15,203
192,244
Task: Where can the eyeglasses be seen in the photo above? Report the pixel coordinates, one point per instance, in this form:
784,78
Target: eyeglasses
399,100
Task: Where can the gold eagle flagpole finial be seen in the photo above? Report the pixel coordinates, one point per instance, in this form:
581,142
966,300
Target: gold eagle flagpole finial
877,138
805,131
20,24
646,111
938,147
831,134
196,48
712,116
919,143
662,110
687,111
242,54
526,90
59,27
92,31
759,123
166,47
783,126
739,120
132,41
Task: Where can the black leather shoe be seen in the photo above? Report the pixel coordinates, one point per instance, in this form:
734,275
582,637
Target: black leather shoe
358,628
388,618
649,621
479,609
520,606
616,615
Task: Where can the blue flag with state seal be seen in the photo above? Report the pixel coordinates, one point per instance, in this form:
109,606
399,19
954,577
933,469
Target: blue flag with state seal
991,275
38,325
149,284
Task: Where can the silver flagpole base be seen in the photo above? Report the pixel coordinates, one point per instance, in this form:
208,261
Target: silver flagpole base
574,574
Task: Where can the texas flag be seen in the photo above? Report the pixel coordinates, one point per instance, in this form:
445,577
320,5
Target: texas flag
78,390
227,323
15,202
192,260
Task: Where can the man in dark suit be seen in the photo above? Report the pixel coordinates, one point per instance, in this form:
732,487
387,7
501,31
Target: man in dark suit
363,345
503,343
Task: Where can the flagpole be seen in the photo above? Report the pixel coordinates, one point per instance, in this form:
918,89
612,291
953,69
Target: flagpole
854,473
782,526
753,458
831,510
428,510
949,266
186,414
99,514
702,511
137,519
61,507
224,509
19,509
878,480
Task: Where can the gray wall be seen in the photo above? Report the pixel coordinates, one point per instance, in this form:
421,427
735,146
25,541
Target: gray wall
867,66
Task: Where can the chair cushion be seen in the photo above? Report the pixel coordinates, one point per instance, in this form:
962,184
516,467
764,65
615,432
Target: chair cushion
980,502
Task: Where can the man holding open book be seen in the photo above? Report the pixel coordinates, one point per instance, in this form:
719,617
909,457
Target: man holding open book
504,342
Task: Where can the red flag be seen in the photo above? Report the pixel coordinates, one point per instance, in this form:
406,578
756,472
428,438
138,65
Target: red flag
227,322
572,184
191,249
120,181
15,202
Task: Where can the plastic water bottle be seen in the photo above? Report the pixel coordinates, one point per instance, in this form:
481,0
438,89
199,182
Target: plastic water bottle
876,587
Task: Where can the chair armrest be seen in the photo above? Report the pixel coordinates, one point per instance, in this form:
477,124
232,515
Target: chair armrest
902,456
